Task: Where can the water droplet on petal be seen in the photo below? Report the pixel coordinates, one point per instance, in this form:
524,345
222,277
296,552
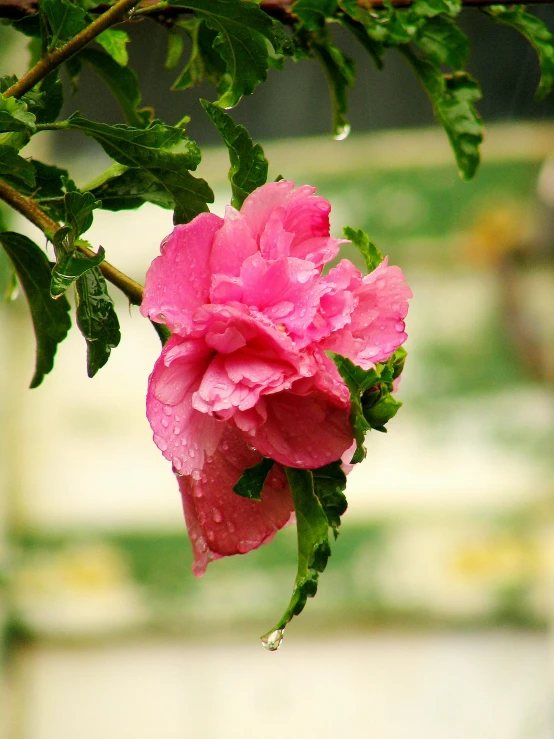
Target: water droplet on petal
165,423
217,516
167,410
191,453
342,132
225,446
177,430
196,475
231,527
400,326
272,641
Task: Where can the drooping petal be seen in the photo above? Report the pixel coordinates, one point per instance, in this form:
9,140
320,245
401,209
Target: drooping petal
305,427
219,521
183,435
178,281
376,328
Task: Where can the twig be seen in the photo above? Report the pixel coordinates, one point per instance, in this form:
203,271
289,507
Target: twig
28,208
52,60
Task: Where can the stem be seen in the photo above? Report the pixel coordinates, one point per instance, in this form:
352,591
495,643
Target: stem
28,208
52,60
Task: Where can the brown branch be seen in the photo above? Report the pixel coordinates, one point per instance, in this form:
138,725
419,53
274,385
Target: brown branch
28,208
50,61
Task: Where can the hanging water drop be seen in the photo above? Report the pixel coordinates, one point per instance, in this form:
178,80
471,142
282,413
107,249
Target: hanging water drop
167,410
342,132
272,641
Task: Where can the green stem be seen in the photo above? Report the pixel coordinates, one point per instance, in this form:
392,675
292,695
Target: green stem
52,60
58,126
28,208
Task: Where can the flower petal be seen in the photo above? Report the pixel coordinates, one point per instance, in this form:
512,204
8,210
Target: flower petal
182,434
304,427
178,281
233,244
219,521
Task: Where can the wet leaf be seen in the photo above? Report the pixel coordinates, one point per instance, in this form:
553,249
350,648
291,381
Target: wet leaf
371,254
252,481
97,319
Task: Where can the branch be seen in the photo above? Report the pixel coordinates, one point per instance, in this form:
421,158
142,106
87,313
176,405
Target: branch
49,62
28,208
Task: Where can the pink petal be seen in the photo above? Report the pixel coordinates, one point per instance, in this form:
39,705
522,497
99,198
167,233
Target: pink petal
308,428
259,205
376,328
178,281
219,521
234,243
183,434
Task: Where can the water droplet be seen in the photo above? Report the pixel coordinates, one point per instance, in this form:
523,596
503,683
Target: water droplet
342,132
177,418
176,430
196,475
191,453
217,516
272,641
167,410
177,463
231,527
225,446
400,326
165,423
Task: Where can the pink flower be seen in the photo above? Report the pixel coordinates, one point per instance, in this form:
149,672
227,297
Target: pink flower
245,372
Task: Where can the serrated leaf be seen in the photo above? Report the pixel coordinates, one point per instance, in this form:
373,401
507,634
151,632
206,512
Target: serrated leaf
175,48
78,211
312,529
248,163
381,412
70,268
49,107
204,62
252,481
66,19
371,254
339,70
453,97
97,319
538,35
329,486
48,190
153,150
15,167
125,188
50,317
443,42
242,31
122,83
15,116
114,42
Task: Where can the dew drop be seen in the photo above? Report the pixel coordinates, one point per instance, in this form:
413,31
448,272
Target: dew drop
342,132
272,640
400,326
176,430
225,446
167,410
177,463
217,516
191,453
231,527
165,423
196,475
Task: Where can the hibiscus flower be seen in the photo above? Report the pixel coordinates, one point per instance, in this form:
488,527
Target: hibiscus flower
246,373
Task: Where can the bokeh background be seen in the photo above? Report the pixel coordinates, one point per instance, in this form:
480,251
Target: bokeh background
434,617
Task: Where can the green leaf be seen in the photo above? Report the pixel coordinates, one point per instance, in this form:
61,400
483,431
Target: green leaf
70,268
538,35
15,116
252,480
339,70
313,548
314,13
66,19
16,167
48,190
378,413
50,317
432,8
49,107
115,43
443,42
122,83
152,150
125,188
248,163
97,319
78,211
453,97
175,48
242,32
204,61
371,254
358,381
329,486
